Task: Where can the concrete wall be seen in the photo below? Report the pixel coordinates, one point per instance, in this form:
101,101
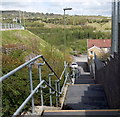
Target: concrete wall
107,74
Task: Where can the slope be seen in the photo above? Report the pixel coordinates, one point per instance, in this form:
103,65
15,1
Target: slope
19,46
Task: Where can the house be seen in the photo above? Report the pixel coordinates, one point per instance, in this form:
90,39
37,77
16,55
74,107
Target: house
100,47
16,20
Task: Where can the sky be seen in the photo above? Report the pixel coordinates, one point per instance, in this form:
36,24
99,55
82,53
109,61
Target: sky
79,7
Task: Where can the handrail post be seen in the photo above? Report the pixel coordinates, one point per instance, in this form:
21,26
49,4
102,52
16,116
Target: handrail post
70,78
50,91
58,83
73,75
65,65
31,85
40,78
56,88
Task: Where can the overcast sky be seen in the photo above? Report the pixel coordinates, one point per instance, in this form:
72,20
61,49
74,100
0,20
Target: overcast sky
79,7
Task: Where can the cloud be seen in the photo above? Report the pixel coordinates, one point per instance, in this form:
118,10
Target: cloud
63,1
18,1
87,7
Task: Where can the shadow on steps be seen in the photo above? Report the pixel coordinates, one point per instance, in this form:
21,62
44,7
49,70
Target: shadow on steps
85,97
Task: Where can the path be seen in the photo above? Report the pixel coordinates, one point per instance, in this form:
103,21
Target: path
85,94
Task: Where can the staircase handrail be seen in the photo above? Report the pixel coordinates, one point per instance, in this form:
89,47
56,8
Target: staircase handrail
25,64
56,90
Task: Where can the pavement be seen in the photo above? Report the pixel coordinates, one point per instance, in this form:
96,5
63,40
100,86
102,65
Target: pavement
81,58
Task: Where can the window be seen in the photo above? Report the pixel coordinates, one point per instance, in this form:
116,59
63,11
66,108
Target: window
91,52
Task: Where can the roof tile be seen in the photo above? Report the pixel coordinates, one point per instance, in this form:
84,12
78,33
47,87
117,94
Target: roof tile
101,43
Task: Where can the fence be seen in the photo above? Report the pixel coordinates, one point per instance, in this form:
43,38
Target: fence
106,73
9,26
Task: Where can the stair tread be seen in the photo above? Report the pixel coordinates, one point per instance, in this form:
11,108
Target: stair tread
90,113
84,81
85,97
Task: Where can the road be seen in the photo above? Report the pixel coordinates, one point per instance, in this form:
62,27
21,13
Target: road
81,58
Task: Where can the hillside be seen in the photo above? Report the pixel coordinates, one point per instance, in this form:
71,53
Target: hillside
24,45
75,35
18,47
103,27
28,42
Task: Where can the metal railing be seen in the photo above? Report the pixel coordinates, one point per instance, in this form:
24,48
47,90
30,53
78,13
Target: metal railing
10,26
58,90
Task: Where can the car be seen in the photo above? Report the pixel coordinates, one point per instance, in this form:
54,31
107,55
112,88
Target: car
74,65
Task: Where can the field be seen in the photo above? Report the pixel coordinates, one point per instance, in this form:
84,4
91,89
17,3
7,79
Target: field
101,27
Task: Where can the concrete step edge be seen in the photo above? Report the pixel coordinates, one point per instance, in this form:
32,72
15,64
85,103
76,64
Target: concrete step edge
84,84
96,110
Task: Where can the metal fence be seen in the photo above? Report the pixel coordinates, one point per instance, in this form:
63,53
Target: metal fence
9,26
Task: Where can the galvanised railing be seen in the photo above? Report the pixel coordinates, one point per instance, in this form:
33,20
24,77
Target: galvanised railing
58,90
10,26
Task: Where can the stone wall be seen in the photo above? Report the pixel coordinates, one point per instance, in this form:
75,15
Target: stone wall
8,50
107,74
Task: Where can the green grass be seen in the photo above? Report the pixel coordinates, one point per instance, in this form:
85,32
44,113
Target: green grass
27,38
100,26
21,37
79,45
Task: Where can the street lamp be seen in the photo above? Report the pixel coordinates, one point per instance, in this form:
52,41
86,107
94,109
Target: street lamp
67,9
64,14
65,33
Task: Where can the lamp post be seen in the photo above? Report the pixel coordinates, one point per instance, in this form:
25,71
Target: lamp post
64,14
64,30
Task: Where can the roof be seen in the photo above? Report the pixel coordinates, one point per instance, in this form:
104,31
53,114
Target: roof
94,47
101,43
